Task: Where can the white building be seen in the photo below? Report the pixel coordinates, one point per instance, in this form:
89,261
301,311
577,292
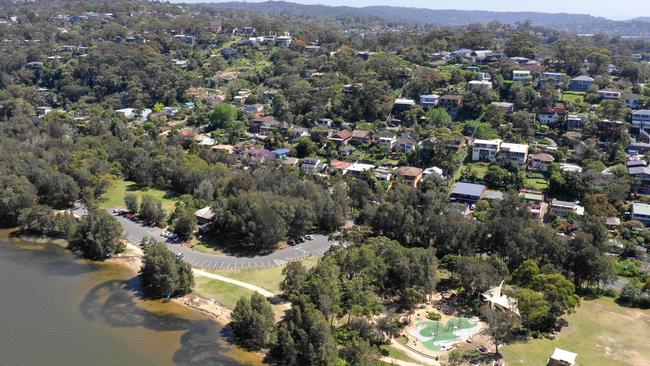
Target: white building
521,75
357,169
479,84
312,165
429,100
641,119
567,167
516,153
609,93
485,149
566,208
641,212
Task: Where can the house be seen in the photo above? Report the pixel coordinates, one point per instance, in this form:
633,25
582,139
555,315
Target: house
360,137
429,100
280,153
265,125
42,111
337,166
312,165
204,215
383,173
411,175
228,149
346,151
402,105
507,107
534,201
469,193
552,116
612,223
573,168
575,122
485,150
479,85
257,157
253,108
581,83
523,76
283,41
641,119
357,169
387,139
341,138
515,153
229,53
451,103
566,208
433,170
553,77
289,161
640,173
633,101
298,132
610,93
406,144
541,162
561,357
35,65
128,113
641,212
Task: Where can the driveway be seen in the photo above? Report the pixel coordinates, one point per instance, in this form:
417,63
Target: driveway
320,244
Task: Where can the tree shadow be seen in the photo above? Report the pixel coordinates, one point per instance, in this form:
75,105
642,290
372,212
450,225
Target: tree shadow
115,303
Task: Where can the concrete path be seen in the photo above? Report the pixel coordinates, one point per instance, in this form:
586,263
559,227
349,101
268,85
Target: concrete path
394,361
259,290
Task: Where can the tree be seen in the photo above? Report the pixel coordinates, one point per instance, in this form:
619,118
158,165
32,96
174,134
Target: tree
17,193
524,274
437,117
222,116
99,236
294,276
359,352
163,273
613,110
534,310
630,293
253,322
184,223
151,210
305,147
502,324
131,202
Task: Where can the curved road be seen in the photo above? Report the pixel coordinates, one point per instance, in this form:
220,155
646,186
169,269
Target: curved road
316,247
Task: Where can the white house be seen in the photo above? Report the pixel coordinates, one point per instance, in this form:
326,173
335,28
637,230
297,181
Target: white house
357,169
516,153
556,77
567,167
565,208
641,212
609,93
641,119
479,84
485,149
429,100
561,357
312,165
521,75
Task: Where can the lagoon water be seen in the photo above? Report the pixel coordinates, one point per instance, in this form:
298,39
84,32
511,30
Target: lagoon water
56,309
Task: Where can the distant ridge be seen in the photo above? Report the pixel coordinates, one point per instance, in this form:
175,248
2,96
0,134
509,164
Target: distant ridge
574,23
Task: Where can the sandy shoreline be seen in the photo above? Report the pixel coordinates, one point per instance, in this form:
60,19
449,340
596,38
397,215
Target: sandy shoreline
132,260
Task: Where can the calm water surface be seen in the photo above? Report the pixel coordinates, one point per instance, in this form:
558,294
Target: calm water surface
58,310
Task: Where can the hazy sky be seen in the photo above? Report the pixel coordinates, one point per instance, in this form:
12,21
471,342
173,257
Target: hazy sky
613,9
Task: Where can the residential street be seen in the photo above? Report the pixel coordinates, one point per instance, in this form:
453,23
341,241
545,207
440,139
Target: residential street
320,244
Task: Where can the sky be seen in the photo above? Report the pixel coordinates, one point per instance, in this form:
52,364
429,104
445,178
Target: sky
612,9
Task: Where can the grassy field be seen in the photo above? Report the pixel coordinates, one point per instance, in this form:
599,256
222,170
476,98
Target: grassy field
601,332
478,169
225,293
266,278
535,183
114,196
397,354
569,96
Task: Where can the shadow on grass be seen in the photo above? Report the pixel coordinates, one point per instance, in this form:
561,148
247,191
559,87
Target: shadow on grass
136,187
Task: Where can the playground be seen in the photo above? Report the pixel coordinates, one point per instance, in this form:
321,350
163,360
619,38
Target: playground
435,335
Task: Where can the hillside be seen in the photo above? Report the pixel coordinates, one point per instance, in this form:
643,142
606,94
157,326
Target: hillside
574,23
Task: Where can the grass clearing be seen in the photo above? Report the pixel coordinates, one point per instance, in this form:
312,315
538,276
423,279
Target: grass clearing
477,169
396,353
114,196
601,332
266,278
539,184
225,293
569,96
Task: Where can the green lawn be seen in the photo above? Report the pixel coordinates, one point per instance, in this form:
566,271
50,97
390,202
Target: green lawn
535,183
601,332
569,96
397,354
479,169
225,293
266,278
114,196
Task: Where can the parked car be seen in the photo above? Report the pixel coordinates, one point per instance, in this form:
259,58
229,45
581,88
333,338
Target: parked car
309,237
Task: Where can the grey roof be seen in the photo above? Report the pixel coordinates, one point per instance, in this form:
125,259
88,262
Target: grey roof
633,163
583,78
634,170
469,189
640,208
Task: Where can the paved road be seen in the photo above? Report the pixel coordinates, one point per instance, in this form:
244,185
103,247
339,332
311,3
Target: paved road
316,247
